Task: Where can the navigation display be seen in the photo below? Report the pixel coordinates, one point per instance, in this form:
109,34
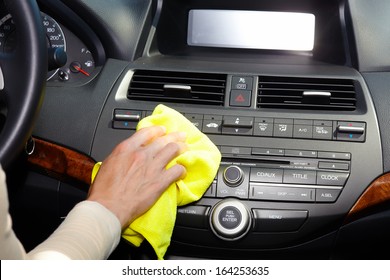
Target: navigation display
251,29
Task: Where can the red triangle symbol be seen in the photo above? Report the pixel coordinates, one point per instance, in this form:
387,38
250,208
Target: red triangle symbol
240,98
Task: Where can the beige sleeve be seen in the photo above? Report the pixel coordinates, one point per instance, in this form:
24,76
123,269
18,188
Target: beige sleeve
10,247
90,231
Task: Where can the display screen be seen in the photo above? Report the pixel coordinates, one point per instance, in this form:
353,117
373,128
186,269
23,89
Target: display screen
251,29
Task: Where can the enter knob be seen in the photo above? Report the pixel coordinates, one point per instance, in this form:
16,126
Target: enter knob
230,219
233,175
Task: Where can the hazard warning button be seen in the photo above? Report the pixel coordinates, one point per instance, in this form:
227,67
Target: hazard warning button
240,98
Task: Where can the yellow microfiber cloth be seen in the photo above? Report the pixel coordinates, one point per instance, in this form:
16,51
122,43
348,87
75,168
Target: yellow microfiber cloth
201,161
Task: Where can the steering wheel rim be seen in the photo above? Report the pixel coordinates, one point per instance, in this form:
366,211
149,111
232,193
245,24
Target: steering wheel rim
24,76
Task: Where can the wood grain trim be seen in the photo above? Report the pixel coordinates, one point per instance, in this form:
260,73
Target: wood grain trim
377,194
61,162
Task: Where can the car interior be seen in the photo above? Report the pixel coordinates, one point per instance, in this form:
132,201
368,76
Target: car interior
294,93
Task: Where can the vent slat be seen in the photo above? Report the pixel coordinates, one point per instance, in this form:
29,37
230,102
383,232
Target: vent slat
287,92
208,89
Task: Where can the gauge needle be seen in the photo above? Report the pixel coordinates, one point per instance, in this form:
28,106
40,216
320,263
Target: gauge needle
81,70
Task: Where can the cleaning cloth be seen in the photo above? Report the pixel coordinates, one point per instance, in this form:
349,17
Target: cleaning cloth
201,160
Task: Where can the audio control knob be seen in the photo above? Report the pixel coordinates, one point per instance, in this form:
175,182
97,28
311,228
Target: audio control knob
233,175
230,219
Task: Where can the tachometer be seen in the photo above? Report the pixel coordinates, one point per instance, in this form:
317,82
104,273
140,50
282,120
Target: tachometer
54,35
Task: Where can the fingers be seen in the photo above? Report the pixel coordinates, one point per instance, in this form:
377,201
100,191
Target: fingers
143,137
161,143
174,173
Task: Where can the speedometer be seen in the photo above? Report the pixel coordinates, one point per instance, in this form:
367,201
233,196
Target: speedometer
54,36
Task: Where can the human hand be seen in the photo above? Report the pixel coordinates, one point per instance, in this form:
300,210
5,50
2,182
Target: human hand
133,176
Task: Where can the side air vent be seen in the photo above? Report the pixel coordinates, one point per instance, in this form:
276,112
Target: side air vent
306,93
178,87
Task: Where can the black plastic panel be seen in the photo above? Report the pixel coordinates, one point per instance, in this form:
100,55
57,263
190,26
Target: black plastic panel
322,217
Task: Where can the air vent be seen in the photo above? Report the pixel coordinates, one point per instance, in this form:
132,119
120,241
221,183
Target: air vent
178,87
306,93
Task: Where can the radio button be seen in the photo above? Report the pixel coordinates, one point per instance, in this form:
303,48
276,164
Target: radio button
278,220
300,153
266,175
333,165
233,175
267,152
299,177
331,178
334,155
230,219
192,216
327,195
282,193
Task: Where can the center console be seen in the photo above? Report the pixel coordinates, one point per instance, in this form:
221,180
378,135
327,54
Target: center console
297,132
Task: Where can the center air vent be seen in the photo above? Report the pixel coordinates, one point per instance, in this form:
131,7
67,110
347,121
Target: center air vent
178,87
306,93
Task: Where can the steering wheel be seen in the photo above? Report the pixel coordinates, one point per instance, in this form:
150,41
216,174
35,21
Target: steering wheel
22,78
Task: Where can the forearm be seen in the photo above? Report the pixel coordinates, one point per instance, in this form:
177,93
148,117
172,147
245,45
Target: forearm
90,231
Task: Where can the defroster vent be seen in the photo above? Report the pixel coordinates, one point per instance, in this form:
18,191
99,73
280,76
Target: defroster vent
178,87
306,93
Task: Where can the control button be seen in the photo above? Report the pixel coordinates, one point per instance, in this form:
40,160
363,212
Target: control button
282,193
127,115
266,175
327,195
322,132
213,117
224,189
300,153
278,220
212,126
233,175
230,219
351,131
284,130
192,117
286,121
124,125
333,165
238,122
303,131
267,152
334,155
237,131
299,177
197,123
242,82
192,216
303,122
263,127
236,150
322,123
240,98
331,178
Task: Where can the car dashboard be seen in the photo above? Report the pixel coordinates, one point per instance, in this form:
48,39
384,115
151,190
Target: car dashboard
303,134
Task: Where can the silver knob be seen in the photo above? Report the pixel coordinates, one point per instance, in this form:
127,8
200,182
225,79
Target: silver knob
230,219
233,175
